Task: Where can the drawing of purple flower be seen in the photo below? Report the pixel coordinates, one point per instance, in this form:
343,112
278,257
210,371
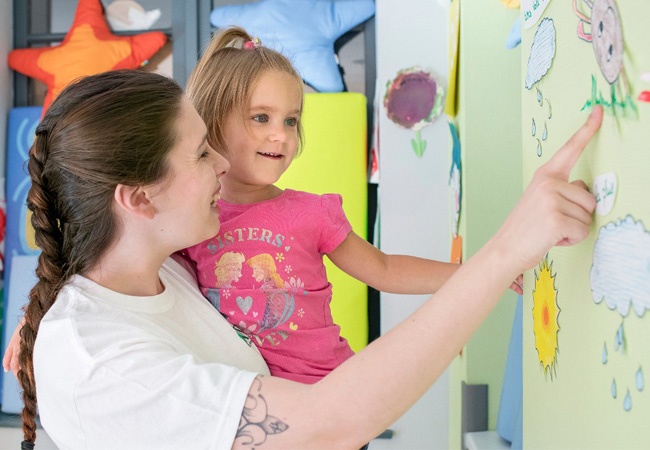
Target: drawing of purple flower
413,100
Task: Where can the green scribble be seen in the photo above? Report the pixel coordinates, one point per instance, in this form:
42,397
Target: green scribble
614,105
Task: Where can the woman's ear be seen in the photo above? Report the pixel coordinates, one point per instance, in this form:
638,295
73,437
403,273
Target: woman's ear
134,200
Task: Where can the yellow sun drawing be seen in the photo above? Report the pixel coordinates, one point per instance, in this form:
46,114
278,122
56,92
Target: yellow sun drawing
545,314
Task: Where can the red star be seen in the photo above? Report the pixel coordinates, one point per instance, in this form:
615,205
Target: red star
88,48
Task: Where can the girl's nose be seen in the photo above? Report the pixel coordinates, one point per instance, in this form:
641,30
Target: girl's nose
278,134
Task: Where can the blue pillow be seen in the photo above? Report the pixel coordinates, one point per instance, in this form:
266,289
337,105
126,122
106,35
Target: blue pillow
303,30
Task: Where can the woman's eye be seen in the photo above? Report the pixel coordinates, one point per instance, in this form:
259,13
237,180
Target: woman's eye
205,154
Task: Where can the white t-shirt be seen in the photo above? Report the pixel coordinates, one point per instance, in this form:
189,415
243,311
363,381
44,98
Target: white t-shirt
120,372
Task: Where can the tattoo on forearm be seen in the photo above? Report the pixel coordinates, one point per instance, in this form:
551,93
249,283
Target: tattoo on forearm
256,424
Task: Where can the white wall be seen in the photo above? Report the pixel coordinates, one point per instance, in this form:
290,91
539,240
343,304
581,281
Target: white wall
413,197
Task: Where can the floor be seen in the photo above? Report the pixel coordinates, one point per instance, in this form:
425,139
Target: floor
11,434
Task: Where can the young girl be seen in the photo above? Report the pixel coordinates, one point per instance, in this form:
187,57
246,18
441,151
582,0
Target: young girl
251,99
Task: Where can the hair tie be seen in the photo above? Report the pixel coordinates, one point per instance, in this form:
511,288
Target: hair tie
252,44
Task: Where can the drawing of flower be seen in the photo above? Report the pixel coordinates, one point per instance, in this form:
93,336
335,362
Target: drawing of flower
413,100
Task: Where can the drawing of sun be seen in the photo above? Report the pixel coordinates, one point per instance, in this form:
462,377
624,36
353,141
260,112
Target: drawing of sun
545,317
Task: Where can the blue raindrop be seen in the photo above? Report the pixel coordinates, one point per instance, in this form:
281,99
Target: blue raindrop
613,388
605,353
534,127
640,382
627,403
619,341
539,148
544,133
540,99
550,111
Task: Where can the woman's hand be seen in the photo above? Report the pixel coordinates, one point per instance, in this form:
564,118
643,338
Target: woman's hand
10,359
551,211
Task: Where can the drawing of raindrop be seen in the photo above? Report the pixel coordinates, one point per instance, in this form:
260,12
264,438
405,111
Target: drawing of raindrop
539,148
627,403
640,383
544,133
619,340
605,353
540,99
534,127
550,111
613,388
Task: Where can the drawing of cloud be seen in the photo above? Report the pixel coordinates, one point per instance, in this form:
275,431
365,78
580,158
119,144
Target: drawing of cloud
620,273
542,52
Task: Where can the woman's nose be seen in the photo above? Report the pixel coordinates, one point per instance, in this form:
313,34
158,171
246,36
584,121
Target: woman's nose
221,164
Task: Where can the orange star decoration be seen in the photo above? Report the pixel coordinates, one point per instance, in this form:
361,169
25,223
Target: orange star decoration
88,48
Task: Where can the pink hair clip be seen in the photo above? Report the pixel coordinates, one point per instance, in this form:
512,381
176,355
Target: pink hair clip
252,44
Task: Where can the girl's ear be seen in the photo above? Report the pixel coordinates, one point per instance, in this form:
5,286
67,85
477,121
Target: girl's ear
134,200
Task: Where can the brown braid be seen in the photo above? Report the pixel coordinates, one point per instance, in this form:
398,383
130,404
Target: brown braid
104,130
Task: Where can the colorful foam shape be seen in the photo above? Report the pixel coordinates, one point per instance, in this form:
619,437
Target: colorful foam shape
335,131
303,30
21,252
88,48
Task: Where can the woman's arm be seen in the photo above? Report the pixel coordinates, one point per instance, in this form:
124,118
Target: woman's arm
372,389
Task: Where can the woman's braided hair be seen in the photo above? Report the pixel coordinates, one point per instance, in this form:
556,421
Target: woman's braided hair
107,129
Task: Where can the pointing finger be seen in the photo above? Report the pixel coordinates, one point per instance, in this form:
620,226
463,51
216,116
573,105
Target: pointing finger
565,158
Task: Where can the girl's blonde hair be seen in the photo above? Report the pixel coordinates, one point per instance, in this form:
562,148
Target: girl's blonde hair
226,75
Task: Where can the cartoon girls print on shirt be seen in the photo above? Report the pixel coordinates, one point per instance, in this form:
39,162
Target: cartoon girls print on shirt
279,302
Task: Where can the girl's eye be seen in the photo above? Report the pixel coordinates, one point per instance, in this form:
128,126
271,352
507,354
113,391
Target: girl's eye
262,118
292,121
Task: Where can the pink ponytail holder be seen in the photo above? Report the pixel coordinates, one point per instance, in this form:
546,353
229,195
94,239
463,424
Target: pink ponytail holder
252,44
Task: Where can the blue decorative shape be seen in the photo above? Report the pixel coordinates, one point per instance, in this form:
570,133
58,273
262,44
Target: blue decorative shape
511,404
303,30
605,353
19,274
614,393
640,382
514,37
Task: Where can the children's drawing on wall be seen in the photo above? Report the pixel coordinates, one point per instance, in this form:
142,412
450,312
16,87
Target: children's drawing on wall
541,56
545,317
532,10
455,186
605,188
413,100
619,278
644,96
606,38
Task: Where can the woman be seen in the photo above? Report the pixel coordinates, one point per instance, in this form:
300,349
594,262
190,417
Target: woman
124,350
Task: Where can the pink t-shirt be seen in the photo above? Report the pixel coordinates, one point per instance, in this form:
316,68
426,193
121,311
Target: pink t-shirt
264,272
